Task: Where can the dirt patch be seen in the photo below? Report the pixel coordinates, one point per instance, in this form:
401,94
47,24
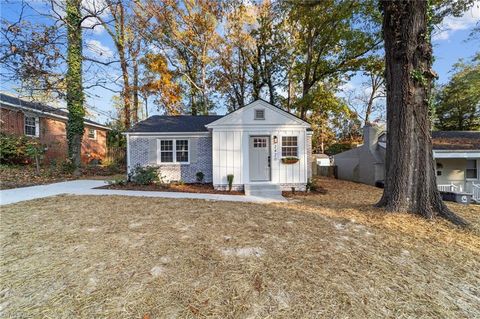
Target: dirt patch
184,188
319,190
23,176
324,256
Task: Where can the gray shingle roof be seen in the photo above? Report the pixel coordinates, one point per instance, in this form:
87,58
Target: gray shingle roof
456,140
37,107
176,124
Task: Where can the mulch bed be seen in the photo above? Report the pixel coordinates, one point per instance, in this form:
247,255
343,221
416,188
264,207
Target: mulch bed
184,188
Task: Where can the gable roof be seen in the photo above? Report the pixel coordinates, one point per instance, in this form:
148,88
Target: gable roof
191,123
456,140
174,124
47,110
265,104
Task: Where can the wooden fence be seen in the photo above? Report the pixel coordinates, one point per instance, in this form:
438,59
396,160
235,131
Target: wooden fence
328,171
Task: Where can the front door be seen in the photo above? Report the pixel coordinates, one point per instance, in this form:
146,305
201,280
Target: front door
259,154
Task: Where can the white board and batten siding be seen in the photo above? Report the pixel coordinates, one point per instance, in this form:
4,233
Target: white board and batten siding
230,144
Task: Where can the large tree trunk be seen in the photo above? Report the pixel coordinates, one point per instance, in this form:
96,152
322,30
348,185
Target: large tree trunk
75,96
410,181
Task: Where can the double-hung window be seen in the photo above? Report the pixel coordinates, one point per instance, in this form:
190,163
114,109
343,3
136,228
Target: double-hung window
174,151
289,146
92,133
31,126
472,169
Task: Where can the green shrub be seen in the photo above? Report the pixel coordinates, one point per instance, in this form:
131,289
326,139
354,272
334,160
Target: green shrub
20,150
200,177
145,175
13,149
310,187
68,167
117,181
230,181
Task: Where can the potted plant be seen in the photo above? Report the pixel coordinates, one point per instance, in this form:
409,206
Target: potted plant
290,160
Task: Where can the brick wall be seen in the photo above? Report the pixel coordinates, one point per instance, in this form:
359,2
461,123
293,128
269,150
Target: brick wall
53,135
94,148
11,121
143,152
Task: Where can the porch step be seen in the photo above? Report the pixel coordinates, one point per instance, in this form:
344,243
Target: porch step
262,190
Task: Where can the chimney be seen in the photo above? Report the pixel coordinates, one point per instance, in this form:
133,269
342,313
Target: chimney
370,135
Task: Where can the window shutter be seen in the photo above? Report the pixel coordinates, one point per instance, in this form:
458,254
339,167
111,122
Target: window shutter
152,151
192,144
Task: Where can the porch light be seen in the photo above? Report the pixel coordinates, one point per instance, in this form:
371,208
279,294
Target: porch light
275,139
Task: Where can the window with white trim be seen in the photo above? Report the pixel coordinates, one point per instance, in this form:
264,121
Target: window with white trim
472,169
31,126
174,151
182,151
289,146
92,133
259,114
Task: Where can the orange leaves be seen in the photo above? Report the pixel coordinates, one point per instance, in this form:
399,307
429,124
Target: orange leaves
162,83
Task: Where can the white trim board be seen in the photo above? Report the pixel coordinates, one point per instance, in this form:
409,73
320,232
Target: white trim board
456,154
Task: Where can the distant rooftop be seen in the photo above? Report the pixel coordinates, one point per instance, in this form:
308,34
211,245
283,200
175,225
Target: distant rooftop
456,140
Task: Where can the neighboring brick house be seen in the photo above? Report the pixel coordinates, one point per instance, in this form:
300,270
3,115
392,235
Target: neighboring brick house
48,124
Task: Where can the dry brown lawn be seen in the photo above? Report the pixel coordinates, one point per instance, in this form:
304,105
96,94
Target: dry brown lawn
320,256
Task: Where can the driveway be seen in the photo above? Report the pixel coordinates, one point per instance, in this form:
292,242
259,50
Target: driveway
87,187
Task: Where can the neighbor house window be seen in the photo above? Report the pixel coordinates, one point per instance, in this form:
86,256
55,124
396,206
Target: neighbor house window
439,169
472,171
174,151
92,133
31,126
259,114
289,146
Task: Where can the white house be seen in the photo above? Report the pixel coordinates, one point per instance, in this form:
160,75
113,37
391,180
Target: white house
264,147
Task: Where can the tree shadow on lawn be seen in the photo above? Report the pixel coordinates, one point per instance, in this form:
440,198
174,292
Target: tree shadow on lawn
354,203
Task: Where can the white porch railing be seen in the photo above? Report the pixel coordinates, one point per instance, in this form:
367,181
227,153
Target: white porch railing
476,192
448,188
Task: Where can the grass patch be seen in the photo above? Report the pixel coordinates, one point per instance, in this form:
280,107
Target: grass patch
327,255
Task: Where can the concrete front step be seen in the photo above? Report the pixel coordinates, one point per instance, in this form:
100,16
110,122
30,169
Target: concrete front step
262,190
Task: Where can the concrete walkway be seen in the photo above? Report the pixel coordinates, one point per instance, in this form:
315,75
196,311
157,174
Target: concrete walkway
86,187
